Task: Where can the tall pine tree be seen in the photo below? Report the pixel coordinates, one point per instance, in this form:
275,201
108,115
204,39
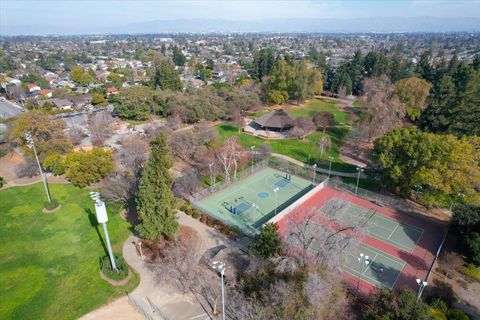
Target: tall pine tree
155,200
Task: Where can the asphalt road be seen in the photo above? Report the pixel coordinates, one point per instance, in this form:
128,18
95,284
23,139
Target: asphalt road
8,109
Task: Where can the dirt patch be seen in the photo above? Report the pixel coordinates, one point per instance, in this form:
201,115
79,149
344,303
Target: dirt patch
8,163
117,283
44,210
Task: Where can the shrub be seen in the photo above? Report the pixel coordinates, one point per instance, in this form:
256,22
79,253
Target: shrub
436,314
106,268
2,181
195,214
51,205
457,314
471,271
55,163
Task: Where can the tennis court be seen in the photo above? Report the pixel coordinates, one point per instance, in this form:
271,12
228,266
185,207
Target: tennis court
382,269
397,233
252,201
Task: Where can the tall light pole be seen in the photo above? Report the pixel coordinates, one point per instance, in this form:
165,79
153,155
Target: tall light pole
330,166
255,208
31,145
364,262
314,172
251,148
210,165
276,198
360,170
422,284
102,219
220,266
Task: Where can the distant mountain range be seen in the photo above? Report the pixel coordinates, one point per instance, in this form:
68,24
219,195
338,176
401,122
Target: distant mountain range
367,25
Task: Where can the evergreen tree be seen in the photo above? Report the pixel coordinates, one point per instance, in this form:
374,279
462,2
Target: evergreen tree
178,57
155,201
355,71
166,77
267,243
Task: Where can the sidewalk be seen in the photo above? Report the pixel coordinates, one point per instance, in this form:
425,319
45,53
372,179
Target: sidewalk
175,305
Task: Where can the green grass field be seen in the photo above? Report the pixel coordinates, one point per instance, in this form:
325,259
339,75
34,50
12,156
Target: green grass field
321,104
49,263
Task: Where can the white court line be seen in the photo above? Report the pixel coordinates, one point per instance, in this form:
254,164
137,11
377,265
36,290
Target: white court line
398,275
393,231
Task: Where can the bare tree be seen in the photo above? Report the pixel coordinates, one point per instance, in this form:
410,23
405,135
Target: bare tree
183,145
132,155
27,169
383,110
236,117
229,155
186,184
302,127
76,135
325,143
120,187
174,122
100,126
342,92
323,120
205,133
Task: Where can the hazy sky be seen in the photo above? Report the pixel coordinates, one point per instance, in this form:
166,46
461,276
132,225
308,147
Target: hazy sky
116,13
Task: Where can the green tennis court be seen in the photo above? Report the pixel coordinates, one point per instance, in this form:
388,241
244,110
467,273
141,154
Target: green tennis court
397,233
382,269
250,202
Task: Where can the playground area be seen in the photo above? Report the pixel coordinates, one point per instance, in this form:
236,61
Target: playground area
250,202
398,247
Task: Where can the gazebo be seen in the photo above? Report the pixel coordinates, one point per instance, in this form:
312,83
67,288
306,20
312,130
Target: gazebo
277,120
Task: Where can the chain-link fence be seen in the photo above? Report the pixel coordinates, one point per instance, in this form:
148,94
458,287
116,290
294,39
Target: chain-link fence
160,314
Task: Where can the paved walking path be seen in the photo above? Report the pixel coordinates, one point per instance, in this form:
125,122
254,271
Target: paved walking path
304,165
175,305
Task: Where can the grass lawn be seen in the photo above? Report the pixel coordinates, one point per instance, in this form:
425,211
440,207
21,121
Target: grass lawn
294,148
49,263
321,104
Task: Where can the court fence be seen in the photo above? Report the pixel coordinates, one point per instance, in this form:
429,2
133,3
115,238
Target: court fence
140,307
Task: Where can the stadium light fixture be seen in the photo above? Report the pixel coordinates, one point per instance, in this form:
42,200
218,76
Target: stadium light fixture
212,180
421,284
330,166
31,145
255,207
251,148
276,198
220,266
102,218
360,170
364,261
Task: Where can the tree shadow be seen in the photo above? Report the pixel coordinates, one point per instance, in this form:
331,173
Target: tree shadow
93,222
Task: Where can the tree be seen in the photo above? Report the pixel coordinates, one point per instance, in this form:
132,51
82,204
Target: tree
229,155
412,93
267,243
98,98
115,79
263,62
48,134
178,57
205,133
383,111
81,76
466,225
323,120
440,163
87,167
156,204
401,306
100,126
166,77
325,143
136,103
55,163
302,127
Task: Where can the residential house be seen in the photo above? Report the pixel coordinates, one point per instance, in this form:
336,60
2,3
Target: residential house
47,93
33,87
112,90
63,104
81,101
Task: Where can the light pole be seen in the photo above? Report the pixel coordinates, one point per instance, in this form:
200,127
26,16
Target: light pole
212,183
251,148
276,198
364,261
314,172
141,251
102,218
330,166
309,158
422,284
360,170
220,266
31,145
255,208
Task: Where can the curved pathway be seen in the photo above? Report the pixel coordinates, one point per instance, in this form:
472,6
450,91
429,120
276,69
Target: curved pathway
321,170
173,304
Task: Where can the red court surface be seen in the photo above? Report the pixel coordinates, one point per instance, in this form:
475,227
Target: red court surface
417,261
